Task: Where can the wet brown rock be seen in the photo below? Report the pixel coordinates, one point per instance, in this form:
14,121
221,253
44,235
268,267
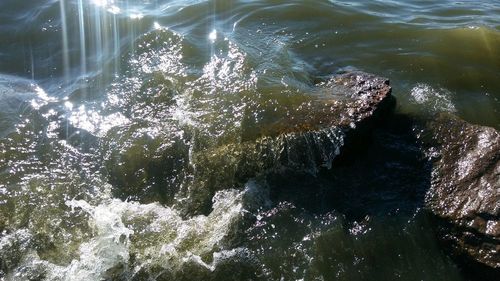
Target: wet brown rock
312,133
465,188
309,137
343,101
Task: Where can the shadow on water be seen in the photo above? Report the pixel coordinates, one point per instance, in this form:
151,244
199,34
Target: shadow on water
378,186
379,172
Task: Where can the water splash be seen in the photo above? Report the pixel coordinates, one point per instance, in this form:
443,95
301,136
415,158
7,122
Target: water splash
194,89
157,237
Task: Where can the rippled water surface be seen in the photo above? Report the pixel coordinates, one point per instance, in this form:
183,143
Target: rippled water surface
123,124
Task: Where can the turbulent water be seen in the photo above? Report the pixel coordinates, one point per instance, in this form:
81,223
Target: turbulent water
123,124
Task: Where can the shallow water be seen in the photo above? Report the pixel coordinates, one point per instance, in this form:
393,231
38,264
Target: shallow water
122,122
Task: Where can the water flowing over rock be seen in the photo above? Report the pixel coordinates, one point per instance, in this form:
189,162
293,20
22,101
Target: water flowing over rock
465,188
309,137
185,163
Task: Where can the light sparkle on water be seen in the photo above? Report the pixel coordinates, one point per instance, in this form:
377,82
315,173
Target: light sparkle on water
212,36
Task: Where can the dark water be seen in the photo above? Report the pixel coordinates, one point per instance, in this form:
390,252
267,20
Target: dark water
122,122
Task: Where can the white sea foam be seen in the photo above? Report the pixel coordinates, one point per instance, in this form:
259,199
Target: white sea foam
155,235
435,100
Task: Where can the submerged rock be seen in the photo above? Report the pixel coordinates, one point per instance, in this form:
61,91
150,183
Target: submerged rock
465,188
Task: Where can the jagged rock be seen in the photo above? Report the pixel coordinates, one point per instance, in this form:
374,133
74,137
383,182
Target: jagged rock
314,132
465,188
343,101
311,136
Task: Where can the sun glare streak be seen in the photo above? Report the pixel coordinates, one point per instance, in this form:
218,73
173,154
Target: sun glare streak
62,7
83,53
212,36
101,3
109,5
98,36
116,40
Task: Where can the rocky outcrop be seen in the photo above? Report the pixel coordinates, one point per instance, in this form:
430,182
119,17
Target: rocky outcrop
312,133
465,188
308,138
342,102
